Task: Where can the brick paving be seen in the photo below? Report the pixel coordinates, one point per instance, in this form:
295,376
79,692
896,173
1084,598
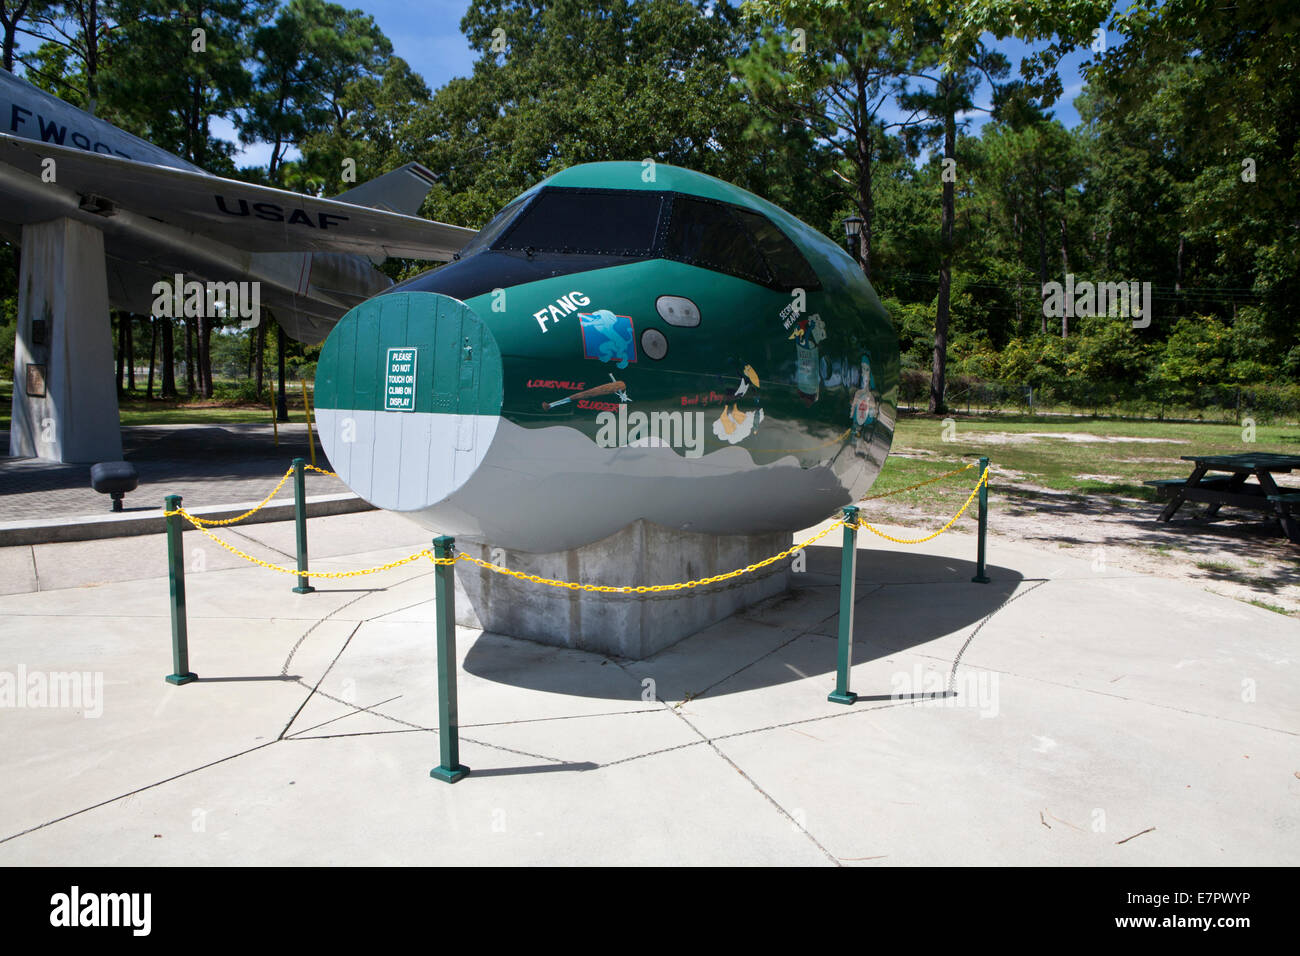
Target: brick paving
206,464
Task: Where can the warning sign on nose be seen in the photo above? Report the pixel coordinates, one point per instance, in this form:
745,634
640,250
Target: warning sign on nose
399,383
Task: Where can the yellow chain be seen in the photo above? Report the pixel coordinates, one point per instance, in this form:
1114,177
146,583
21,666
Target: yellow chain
308,574
952,521
648,588
213,522
199,522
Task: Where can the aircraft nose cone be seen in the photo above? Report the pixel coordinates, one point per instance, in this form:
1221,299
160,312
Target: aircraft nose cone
408,398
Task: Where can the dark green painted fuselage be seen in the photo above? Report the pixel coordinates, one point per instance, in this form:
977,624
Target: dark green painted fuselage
718,366
742,323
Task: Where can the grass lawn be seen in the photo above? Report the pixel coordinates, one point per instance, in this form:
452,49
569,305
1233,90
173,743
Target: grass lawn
139,411
1129,453
924,447
135,409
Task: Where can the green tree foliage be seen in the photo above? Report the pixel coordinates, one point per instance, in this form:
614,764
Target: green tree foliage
575,82
329,84
8,307
1182,173
378,132
13,14
178,66
76,49
1212,88
829,71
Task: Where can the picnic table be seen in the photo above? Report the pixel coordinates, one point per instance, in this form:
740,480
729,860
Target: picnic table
1233,487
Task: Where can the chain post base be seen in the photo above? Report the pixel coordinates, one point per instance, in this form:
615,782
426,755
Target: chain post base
449,774
842,697
179,679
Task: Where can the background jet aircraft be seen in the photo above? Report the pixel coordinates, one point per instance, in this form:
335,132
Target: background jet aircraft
160,215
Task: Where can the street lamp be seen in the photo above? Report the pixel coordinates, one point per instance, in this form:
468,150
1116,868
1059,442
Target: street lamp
853,232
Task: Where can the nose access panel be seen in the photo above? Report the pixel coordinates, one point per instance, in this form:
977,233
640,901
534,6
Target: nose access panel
408,398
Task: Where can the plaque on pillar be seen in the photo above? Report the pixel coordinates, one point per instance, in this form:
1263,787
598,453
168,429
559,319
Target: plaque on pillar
36,381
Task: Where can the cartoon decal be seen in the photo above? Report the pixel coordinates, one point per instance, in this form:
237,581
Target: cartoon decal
735,425
747,375
813,325
608,337
808,334
865,404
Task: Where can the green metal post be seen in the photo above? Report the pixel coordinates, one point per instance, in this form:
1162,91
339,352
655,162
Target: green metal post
848,587
181,673
300,518
451,769
980,576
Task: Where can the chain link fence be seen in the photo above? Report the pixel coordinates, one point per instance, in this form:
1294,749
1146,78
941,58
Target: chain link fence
1264,404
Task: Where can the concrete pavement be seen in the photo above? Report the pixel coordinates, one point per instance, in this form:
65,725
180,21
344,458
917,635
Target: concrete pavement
220,471
1099,717
208,464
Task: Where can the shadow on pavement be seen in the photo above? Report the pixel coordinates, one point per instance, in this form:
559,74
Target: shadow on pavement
903,600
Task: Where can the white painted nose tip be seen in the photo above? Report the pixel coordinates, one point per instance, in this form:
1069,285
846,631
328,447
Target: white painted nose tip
408,398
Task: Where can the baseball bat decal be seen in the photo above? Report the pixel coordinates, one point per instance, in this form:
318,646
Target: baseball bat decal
588,393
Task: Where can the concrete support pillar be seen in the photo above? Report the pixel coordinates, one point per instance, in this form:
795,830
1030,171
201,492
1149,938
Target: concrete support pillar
65,399
625,625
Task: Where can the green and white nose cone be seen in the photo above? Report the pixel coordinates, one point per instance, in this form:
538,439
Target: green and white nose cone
408,398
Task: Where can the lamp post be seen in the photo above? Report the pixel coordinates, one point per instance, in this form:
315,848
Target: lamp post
853,234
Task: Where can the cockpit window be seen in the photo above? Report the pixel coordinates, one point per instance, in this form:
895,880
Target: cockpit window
708,234
737,241
616,222
789,268
641,224
494,228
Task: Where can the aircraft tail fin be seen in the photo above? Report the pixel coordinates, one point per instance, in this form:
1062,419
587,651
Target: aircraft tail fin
401,191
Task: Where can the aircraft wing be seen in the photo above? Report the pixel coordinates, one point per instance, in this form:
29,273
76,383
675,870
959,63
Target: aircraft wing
241,215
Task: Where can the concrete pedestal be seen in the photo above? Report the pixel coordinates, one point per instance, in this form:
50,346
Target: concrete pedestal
624,625
65,399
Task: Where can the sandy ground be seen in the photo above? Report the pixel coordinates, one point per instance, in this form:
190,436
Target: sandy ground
1239,555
